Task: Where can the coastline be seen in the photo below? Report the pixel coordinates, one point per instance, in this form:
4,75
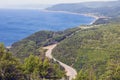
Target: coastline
75,13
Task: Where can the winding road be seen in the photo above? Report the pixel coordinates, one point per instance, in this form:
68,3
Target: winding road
71,72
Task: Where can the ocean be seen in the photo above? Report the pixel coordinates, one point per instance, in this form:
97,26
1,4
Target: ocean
18,24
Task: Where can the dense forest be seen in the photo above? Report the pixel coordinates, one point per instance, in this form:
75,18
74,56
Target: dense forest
31,68
33,43
94,52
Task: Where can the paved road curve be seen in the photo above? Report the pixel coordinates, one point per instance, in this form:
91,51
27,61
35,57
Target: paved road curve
71,72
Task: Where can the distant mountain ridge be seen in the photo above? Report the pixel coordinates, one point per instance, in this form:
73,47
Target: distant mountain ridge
88,4
108,9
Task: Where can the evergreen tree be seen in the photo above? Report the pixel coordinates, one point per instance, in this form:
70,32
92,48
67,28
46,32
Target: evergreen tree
10,67
112,71
86,74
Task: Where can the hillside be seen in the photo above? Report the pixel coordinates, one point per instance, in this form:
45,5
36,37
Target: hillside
107,9
31,68
94,52
33,43
100,8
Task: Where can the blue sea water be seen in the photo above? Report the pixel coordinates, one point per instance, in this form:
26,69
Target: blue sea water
18,24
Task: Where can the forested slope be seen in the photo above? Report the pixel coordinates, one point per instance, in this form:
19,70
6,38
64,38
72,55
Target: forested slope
33,43
94,52
109,10
100,8
31,68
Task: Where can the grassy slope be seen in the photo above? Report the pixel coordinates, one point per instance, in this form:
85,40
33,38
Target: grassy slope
91,47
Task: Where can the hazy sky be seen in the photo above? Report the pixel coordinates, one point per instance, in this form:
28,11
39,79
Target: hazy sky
7,3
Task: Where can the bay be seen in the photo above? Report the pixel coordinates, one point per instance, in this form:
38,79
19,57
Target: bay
18,24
